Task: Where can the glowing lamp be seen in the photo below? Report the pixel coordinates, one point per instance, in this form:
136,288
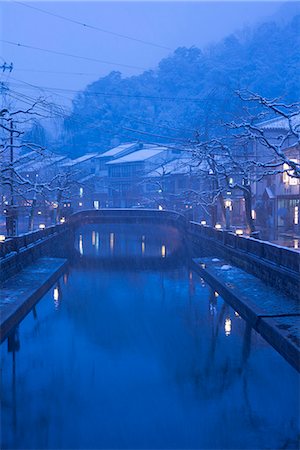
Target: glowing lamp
239,232
2,237
218,226
42,226
203,222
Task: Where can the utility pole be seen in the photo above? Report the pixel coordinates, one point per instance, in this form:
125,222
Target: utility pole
12,213
6,66
11,144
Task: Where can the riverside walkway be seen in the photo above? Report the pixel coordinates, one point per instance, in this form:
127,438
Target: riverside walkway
274,315
19,293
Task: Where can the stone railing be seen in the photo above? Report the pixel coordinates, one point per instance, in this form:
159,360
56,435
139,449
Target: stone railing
274,254
17,243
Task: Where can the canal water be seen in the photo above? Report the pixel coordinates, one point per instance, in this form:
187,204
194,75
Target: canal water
141,356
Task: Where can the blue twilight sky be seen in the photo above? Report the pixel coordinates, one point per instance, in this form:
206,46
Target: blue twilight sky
169,24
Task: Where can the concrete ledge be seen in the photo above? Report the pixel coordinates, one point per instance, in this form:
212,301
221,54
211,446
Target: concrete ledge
275,265
271,317
22,291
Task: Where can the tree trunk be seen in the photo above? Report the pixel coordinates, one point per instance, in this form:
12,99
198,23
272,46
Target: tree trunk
31,215
248,210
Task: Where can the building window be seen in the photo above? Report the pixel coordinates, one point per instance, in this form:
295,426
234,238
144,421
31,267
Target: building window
287,176
296,215
96,204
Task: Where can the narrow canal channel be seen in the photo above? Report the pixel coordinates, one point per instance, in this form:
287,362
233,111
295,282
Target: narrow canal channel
131,349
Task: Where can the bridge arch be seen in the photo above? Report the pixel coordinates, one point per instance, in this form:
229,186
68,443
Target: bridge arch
131,215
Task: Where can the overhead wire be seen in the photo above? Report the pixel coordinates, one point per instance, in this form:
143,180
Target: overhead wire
117,94
71,55
92,27
77,119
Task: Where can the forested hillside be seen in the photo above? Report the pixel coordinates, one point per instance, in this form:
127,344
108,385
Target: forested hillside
192,89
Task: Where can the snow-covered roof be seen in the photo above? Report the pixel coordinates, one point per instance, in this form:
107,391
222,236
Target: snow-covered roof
279,123
80,160
119,149
139,155
178,166
87,178
41,163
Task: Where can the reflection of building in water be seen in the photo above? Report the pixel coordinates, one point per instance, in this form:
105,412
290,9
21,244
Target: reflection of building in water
191,283
80,246
143,247
163,251
227,326
212,302
111,241
93,238
97,241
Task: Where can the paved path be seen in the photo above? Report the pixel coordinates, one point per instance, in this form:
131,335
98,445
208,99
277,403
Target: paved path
19,293
274,315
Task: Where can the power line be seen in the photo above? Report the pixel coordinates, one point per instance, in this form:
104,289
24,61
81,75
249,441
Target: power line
58,72
114,94
92,27
86,58
155,125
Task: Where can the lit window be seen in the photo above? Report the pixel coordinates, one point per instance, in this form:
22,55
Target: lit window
296,215
287,176
96,204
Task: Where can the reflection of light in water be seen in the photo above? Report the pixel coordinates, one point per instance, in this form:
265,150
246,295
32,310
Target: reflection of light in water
227,326
143,247
212,309
191,276
55,293
56,297
80,244
296,243
97,241
111,241
93,238
163,251
143,238
65,278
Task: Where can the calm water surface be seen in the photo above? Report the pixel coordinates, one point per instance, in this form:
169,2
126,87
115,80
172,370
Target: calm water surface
149,358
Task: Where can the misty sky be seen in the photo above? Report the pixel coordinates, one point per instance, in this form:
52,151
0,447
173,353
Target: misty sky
169,24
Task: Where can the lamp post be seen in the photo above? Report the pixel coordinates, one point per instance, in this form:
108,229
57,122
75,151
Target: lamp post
228,208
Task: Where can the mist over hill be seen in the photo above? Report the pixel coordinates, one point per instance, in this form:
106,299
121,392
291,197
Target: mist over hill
192,89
